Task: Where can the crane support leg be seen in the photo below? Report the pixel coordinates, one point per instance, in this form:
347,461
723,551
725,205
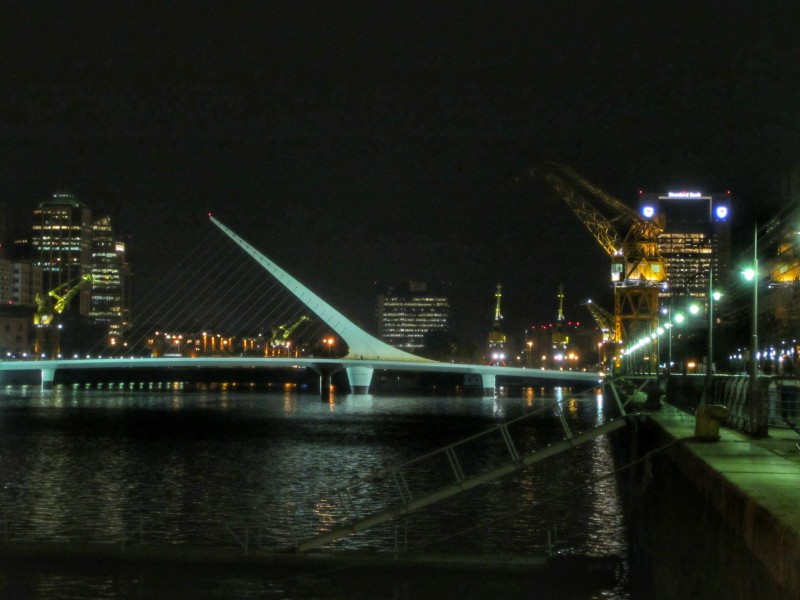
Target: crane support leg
360,379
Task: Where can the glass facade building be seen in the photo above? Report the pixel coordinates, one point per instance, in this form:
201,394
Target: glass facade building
61,239
406,314
696,239
111,288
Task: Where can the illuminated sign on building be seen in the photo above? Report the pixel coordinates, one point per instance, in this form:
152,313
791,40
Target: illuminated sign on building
648,211
684,194
721,212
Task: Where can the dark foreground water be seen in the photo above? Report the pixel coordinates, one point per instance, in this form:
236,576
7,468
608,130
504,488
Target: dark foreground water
202,466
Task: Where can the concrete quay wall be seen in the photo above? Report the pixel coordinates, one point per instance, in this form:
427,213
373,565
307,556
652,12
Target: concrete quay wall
711,519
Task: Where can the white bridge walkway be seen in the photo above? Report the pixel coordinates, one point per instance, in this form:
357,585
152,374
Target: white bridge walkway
474,375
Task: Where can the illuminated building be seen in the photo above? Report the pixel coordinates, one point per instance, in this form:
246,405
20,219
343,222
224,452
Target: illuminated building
780,301
61,240
696,239
404,317
111,287
20,281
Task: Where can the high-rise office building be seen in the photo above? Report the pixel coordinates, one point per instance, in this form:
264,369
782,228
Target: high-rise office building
61,239
110,288
406,314
696,240
20,281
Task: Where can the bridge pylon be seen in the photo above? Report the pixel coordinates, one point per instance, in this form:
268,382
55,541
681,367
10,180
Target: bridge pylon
361,345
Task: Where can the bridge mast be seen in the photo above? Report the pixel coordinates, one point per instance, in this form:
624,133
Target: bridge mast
361,345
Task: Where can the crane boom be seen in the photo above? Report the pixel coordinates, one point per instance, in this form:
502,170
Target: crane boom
287,331
603,318
47,307
602,229
61,302
637,269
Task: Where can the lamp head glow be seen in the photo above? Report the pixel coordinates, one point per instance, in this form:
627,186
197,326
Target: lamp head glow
694,309
749,274
679,318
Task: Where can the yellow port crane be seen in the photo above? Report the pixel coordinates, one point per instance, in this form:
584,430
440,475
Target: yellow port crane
47,307
280,335
637,270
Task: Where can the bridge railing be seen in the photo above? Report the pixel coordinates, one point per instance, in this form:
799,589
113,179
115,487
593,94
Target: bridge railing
733,391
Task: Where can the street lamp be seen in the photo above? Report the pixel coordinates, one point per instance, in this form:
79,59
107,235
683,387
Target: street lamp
678,320
712,297
530,354
751,274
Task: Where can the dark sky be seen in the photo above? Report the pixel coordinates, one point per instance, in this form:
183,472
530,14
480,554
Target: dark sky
360,144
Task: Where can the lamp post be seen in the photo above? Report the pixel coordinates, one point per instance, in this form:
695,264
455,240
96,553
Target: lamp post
668,325
651,368
752,275
712,297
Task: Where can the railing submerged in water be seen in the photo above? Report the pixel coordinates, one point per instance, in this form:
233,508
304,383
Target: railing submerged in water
407,490
374,498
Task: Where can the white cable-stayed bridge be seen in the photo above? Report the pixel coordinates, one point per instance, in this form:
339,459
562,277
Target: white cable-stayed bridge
204,304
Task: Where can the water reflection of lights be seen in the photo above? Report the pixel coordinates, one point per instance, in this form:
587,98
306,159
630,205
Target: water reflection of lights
498,408
326,512
607,525
529,395
288,401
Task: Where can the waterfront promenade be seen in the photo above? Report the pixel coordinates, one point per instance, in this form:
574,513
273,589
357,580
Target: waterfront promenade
753,484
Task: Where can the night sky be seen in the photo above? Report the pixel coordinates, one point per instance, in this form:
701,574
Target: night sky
362,144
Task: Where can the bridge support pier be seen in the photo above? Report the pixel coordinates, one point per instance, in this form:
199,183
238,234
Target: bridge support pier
484,383
325,385
360,379
48,375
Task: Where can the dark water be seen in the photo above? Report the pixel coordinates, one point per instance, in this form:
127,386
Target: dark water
201,466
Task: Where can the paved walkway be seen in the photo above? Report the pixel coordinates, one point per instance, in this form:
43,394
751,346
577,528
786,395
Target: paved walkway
755,485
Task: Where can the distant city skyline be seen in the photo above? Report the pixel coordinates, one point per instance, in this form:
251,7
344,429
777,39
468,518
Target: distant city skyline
371,145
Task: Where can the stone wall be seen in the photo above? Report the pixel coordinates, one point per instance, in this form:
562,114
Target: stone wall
691,537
